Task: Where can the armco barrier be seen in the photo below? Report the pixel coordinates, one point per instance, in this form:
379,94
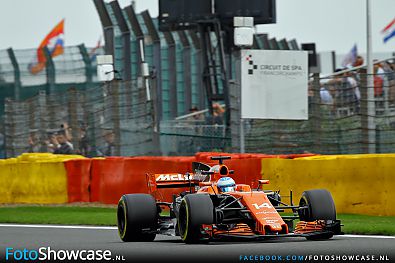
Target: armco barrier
360,184
34,178
7,172
78,180
107,178
43,178
113,177
247,166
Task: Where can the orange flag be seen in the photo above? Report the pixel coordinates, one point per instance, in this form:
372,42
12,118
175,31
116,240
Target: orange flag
55,43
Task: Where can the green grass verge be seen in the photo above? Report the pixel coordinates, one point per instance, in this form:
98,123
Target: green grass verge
65,215
73,215
363,224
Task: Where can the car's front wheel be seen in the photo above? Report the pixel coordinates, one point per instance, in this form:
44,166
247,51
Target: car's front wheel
315,205
195,210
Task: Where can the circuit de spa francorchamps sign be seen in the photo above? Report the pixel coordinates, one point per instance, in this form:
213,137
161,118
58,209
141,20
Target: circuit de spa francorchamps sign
274,84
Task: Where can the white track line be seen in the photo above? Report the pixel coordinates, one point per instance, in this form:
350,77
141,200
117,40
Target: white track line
61,226
367,236
114,228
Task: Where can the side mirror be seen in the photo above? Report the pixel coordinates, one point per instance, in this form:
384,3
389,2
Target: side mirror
263,181
260,182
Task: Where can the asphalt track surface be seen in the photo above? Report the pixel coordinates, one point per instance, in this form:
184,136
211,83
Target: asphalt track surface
172,249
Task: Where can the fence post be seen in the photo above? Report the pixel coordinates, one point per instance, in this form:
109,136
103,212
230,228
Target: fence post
9,128
125,36
156,74
73,103
114,93
199,69
42,114
234,94
186,57
316,110
235,108
172,73
108,27
17,74
88,65
364,110
50,71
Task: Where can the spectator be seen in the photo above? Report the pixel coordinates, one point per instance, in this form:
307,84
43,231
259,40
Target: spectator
108,149
84,147
51,142
196,117
195,121
326,97
392,85
218,114
2,144
390,75
310,96
358,62
378,81
63,146
34,143
67,131
352,82
378,69
345,93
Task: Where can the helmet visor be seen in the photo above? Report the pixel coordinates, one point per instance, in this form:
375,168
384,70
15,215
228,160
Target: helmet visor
228,189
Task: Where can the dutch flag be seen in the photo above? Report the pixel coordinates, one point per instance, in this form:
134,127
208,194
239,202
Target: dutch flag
389,31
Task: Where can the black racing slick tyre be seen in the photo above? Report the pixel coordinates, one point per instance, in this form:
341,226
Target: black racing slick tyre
319,206
195,210
137,218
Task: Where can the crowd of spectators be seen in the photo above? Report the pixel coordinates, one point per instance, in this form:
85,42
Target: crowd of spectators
60,142
341,94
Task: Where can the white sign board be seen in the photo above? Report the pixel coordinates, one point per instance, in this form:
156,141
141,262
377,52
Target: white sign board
274,84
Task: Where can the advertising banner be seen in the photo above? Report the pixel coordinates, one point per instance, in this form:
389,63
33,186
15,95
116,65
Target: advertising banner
274,84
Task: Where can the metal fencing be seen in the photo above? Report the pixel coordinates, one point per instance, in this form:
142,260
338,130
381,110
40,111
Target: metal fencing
75,68
338,117
112,119
186,137
116,119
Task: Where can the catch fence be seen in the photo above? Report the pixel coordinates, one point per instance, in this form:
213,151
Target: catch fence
340,121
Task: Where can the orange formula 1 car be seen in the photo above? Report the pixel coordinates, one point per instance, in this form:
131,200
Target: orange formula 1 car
215,208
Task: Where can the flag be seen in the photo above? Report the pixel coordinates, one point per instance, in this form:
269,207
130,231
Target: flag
55,43
92,53
351,57
389,31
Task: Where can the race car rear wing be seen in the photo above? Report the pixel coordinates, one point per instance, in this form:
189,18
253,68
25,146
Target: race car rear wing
172,180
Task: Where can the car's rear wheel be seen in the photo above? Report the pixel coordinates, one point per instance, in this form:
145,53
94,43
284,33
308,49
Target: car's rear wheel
315,205
195,210
137,217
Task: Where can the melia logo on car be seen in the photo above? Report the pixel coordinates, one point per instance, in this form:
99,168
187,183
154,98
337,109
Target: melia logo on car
172,177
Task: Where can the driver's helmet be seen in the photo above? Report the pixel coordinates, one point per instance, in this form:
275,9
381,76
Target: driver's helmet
226,184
